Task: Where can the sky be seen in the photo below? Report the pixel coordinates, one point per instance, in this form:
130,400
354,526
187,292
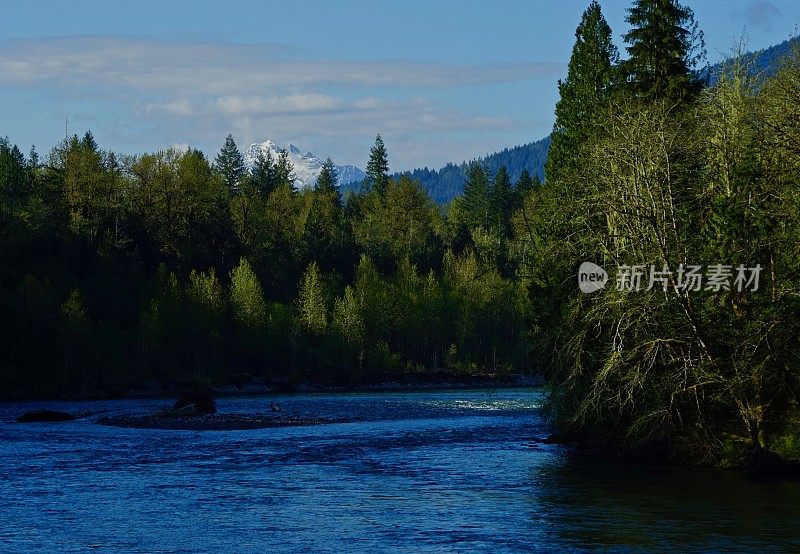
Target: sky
441,80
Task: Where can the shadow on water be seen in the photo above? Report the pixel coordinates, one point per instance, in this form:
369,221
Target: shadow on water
602,501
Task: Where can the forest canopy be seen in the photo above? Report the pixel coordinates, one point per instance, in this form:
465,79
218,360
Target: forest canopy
169,266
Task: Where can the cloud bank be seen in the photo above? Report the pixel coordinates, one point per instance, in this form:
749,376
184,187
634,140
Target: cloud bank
189,90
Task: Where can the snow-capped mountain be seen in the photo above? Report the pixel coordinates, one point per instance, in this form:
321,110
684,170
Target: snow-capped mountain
306,166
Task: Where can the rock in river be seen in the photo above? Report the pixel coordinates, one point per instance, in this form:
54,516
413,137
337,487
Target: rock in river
37,416
196,402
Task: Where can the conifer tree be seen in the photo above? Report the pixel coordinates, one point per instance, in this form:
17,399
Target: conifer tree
590,77
525,182
230,164
475,201
263,174
33,158
502,198
664,48
327,181
89,187
88,142
12,169
283,170
523,186
378,167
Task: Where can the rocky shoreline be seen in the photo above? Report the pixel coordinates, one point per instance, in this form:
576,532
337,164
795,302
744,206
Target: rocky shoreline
196,411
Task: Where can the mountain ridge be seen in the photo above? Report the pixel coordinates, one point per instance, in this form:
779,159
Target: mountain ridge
446,183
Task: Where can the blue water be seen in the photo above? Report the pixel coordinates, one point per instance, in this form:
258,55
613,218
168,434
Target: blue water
448,471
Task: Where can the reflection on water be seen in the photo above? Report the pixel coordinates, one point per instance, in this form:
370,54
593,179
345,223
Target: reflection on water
421,471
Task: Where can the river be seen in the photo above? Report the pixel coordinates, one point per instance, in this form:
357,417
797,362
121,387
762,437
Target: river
443,471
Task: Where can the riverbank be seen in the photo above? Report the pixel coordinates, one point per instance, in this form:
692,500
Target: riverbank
245,385
431,381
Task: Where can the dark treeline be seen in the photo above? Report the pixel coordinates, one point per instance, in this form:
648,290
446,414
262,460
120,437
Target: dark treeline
118,270
447,183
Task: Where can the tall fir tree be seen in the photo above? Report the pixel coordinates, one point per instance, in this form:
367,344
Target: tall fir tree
378,167
523,186
88,142
284,175
476,201
502,199
263,174
230,164
590,77
327,181
89,187
665,47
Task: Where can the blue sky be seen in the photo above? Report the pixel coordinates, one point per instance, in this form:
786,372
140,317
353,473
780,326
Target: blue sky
440,80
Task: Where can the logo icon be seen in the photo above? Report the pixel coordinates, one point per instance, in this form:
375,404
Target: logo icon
591,277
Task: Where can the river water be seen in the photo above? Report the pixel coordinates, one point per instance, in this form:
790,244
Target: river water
454,471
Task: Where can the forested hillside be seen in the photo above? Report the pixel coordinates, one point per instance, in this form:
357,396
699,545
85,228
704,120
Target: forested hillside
169,266
761,62
448,182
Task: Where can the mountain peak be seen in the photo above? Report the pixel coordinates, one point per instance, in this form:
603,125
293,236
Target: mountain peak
306,166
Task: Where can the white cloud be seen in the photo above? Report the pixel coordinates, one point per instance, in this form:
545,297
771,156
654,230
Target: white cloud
181,108
298,102
419,134
174,90
219,68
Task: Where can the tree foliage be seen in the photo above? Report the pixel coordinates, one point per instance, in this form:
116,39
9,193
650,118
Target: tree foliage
665,48
698,375
230,164
163,266
591,76
378,167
